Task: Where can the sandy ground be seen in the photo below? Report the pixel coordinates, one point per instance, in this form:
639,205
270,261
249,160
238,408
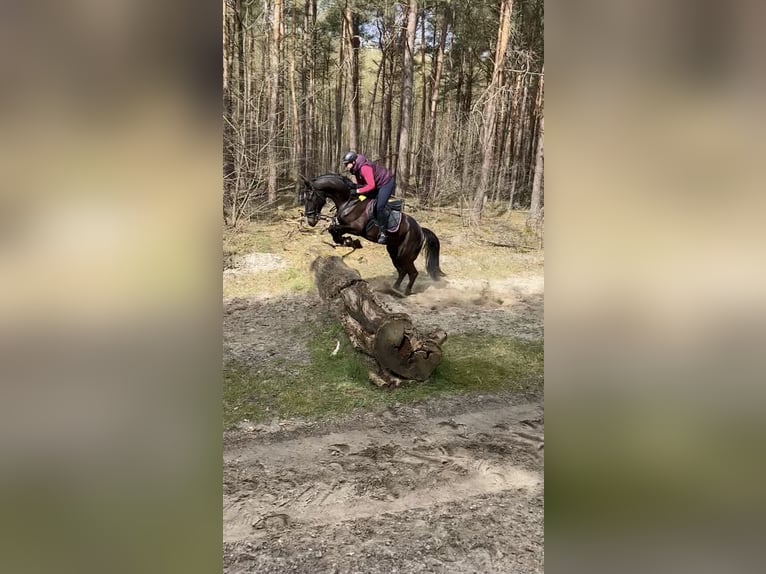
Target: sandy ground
450,486
397,491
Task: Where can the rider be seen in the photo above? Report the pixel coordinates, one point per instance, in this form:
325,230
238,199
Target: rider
372,177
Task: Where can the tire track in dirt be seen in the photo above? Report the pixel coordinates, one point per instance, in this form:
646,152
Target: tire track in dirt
292,485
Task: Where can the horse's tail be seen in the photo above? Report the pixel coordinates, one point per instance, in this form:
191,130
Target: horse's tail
432,254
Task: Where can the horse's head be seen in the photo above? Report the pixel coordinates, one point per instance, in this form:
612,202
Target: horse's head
313,202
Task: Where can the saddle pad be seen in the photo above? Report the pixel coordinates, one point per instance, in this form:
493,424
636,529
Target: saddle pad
394,218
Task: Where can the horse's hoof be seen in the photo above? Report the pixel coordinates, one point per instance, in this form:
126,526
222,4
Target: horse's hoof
397,293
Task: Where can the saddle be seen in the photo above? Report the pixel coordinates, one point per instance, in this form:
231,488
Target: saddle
392,213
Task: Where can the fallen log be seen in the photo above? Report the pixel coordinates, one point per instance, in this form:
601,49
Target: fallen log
400,352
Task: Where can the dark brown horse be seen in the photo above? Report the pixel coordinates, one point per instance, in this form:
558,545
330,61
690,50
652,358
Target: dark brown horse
352,216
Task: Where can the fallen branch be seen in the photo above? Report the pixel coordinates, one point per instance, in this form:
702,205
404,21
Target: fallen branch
507,245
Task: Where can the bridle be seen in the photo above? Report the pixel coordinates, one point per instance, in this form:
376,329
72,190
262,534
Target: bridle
313,212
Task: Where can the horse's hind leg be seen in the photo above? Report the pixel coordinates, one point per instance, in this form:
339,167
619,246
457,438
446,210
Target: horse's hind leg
412,273
392,251
406,267
398,283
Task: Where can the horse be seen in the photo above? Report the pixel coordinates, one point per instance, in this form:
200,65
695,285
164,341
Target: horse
403,244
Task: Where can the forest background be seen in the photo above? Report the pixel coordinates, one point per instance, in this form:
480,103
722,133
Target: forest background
448,95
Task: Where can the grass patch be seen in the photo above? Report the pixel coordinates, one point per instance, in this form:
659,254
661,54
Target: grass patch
297,280
335,385
290,280
249,238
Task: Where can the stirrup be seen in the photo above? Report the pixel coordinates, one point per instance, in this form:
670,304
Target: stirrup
382,238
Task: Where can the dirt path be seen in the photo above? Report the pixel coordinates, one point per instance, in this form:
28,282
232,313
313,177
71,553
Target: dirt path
394,492
452,485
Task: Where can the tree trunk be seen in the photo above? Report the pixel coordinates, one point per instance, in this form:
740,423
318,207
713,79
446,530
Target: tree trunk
430,160
535,120
385,152
467,137
490,114
296,110
518,144
500,133
352,38
405,136
339,91
400,352
419,163
228,133
309,91
368,139
537,182
505,161
273,151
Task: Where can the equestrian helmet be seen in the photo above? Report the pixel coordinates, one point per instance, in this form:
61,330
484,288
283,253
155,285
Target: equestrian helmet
350,157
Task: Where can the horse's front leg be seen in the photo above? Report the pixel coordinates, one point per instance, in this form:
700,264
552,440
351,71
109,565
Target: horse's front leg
339,238
337,234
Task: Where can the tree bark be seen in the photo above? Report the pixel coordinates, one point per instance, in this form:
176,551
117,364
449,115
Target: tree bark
295,109
339,92
419,153
274,62
537,182
368,139
518,144
489,125
430,159
385,152
309,127
405,135
385,119
351,28
505,161
399,350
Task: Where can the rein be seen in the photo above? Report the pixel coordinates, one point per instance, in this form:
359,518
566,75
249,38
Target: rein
313,212
320,216
323,196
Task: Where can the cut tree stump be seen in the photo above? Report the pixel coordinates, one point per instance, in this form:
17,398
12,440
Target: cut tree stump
400,352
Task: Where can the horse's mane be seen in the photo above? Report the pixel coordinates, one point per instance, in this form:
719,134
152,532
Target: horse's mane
332,180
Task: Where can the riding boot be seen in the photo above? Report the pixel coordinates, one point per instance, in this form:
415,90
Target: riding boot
382,224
